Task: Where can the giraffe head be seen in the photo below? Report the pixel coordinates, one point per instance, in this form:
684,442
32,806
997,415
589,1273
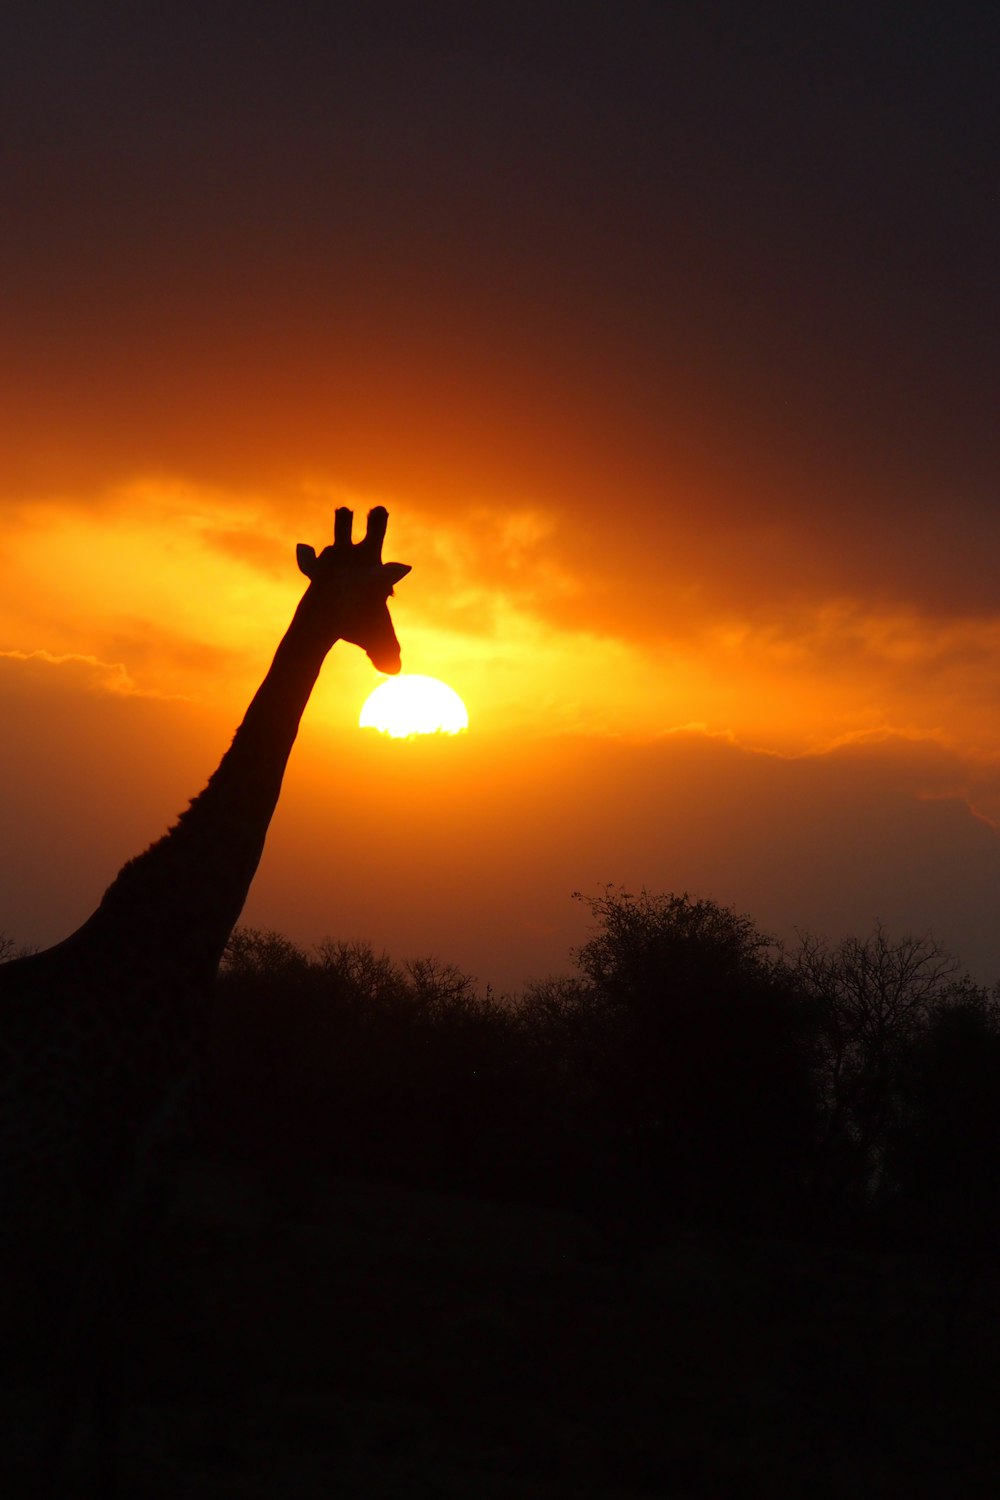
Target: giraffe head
350,586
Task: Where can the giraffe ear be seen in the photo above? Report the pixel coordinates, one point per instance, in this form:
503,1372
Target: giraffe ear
395,571
305,556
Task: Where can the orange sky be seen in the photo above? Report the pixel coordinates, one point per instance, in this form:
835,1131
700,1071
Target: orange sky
666,342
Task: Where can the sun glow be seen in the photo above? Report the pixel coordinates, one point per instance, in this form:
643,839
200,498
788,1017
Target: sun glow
411,704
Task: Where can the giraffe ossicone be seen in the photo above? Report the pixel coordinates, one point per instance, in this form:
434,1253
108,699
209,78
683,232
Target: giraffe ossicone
356,572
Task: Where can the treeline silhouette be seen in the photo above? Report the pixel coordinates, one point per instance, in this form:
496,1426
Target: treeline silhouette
690,1067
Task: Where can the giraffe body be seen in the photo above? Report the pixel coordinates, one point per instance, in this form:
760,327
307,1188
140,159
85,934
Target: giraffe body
100,1034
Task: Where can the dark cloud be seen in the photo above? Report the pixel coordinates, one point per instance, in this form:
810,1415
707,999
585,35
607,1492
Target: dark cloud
733,269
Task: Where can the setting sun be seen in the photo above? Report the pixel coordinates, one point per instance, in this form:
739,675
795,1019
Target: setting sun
411,704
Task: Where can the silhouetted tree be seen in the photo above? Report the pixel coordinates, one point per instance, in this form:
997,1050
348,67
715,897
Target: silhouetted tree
346,1061
942,1155
689,1063
10,948
358,972
872,999
698,1047
259,953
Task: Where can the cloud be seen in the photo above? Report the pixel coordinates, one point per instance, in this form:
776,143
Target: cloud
265,553
539,624
92,674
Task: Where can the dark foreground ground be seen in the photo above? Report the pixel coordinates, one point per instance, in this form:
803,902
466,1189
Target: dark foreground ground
362,1341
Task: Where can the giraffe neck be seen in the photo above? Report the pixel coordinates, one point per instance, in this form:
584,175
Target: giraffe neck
174,906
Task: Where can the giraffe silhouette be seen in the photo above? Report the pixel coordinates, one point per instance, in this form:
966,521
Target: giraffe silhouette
100,1035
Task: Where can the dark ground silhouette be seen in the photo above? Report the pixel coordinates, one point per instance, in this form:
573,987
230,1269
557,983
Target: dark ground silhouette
372,1340
704,1219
